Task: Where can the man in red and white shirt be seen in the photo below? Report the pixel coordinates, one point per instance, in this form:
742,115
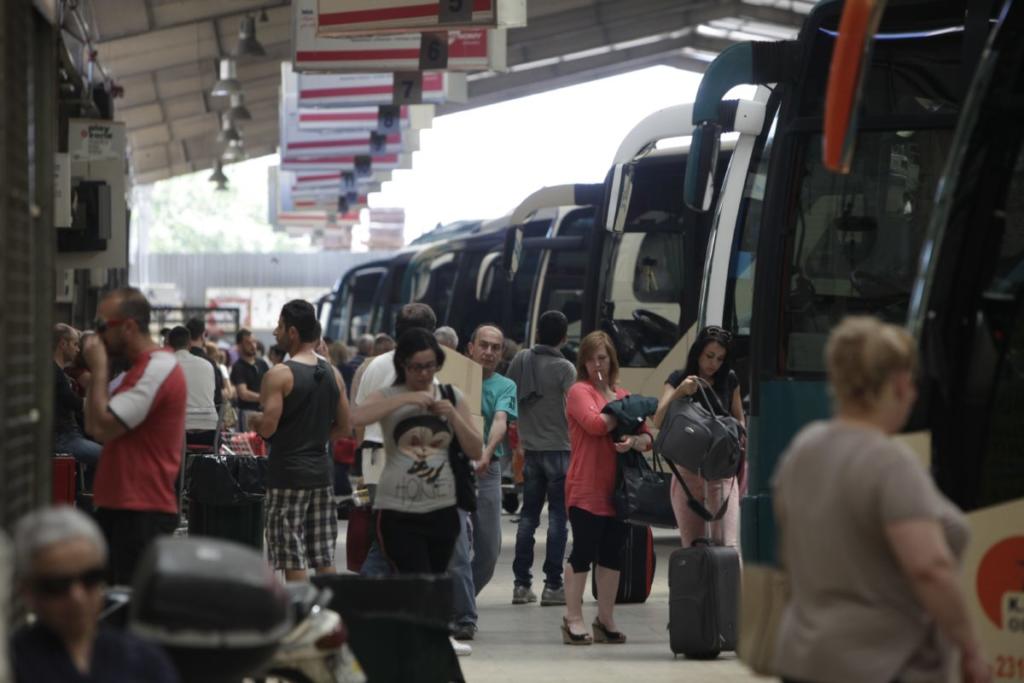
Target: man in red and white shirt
141,428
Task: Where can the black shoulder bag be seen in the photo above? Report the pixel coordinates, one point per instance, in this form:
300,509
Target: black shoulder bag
462,467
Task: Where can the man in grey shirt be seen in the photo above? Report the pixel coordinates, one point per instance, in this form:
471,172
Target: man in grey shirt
543,376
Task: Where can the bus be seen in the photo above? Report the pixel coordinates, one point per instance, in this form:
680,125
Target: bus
797,248
635,269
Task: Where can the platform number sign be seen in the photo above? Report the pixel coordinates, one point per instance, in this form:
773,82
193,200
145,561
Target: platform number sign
364,166
434,50
454,11
342,205
388,119
348,181
378,143
408,88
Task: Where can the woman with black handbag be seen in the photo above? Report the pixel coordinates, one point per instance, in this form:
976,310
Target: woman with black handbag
416,518
707,368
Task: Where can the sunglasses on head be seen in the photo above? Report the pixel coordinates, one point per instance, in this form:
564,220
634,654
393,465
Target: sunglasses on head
101,325
59,586
718,334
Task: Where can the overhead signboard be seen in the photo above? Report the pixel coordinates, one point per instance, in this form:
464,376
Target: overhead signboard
359,164
354,90
348,143
442,49
313,181
350,17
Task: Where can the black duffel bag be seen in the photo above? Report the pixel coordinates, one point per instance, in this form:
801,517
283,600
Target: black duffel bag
703,442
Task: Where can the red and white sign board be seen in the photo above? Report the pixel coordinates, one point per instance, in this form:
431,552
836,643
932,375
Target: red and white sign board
348,17
364,164
348,143
313,182
359,118
460,50
355,90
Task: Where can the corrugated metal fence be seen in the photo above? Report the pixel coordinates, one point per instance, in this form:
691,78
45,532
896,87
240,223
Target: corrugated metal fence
193,274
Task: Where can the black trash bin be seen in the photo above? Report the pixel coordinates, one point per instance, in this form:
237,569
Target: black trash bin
397,625
225,494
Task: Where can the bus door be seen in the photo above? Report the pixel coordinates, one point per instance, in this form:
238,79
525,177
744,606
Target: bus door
388,299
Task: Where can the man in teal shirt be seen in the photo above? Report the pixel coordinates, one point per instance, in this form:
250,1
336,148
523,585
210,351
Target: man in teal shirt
499,407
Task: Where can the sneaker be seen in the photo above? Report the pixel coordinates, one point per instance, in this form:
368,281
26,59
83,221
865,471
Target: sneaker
464,631
552,596
522,595
461,649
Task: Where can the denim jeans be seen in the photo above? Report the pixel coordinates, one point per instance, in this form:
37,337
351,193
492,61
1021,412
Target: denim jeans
543,477
85,451
487,525
461,569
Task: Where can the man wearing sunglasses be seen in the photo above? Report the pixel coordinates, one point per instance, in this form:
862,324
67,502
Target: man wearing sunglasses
60,556
141,427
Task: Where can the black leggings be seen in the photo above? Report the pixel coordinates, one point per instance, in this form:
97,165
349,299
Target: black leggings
595,537
418,543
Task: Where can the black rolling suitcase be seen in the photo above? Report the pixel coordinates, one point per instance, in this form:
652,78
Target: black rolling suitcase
703,596
638,564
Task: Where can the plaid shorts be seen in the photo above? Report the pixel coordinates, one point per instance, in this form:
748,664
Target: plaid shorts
301,527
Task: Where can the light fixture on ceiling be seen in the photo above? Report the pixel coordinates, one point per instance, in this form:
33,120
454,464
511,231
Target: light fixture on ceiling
218,173
238,110
248,46
228,132
228,83
235,151
263,15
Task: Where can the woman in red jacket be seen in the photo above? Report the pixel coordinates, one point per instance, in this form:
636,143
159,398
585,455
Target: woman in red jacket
597,534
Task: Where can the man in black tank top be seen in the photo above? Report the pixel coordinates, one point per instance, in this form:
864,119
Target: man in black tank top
304,410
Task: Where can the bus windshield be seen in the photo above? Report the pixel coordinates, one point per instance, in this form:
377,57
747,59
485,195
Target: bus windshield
854,240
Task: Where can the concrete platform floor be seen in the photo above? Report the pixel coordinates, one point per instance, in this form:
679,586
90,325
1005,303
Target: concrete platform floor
523,643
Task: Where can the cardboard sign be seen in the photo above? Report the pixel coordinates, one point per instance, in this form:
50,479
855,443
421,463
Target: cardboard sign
348,17
466,50
468,376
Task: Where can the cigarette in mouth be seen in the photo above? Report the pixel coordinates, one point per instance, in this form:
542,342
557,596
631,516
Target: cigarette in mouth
599,377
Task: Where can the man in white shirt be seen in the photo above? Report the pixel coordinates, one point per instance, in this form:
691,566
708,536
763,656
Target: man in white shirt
200,411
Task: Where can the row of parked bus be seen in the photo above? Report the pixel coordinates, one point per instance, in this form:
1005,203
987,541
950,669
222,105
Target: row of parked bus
722,212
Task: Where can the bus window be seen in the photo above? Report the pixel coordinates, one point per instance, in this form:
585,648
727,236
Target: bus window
358,304
1002,306
855,240
564,279
433,281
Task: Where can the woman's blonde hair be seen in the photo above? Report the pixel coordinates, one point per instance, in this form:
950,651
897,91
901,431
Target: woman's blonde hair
590,345
862,355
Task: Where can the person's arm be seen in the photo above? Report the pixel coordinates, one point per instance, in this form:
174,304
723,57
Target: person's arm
737,408
924,556
579,406
667,396
100,423
377,406
271,397
499,426
246,394
341,429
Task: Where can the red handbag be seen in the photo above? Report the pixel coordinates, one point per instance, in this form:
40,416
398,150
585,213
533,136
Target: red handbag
344,451
358,537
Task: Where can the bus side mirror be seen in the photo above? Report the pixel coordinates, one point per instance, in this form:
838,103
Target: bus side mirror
512,251
698,185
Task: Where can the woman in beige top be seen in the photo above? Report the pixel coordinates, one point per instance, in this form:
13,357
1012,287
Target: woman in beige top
869,543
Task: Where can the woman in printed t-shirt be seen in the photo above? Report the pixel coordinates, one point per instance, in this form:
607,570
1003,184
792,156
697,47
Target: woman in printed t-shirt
589,484
707,366
417,522
868,542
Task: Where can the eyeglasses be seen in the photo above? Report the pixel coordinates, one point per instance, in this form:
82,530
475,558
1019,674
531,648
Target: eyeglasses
718,334
420,367
101,325
59,586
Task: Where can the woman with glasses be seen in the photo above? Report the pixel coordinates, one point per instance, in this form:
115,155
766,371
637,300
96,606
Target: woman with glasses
417,522
708,368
